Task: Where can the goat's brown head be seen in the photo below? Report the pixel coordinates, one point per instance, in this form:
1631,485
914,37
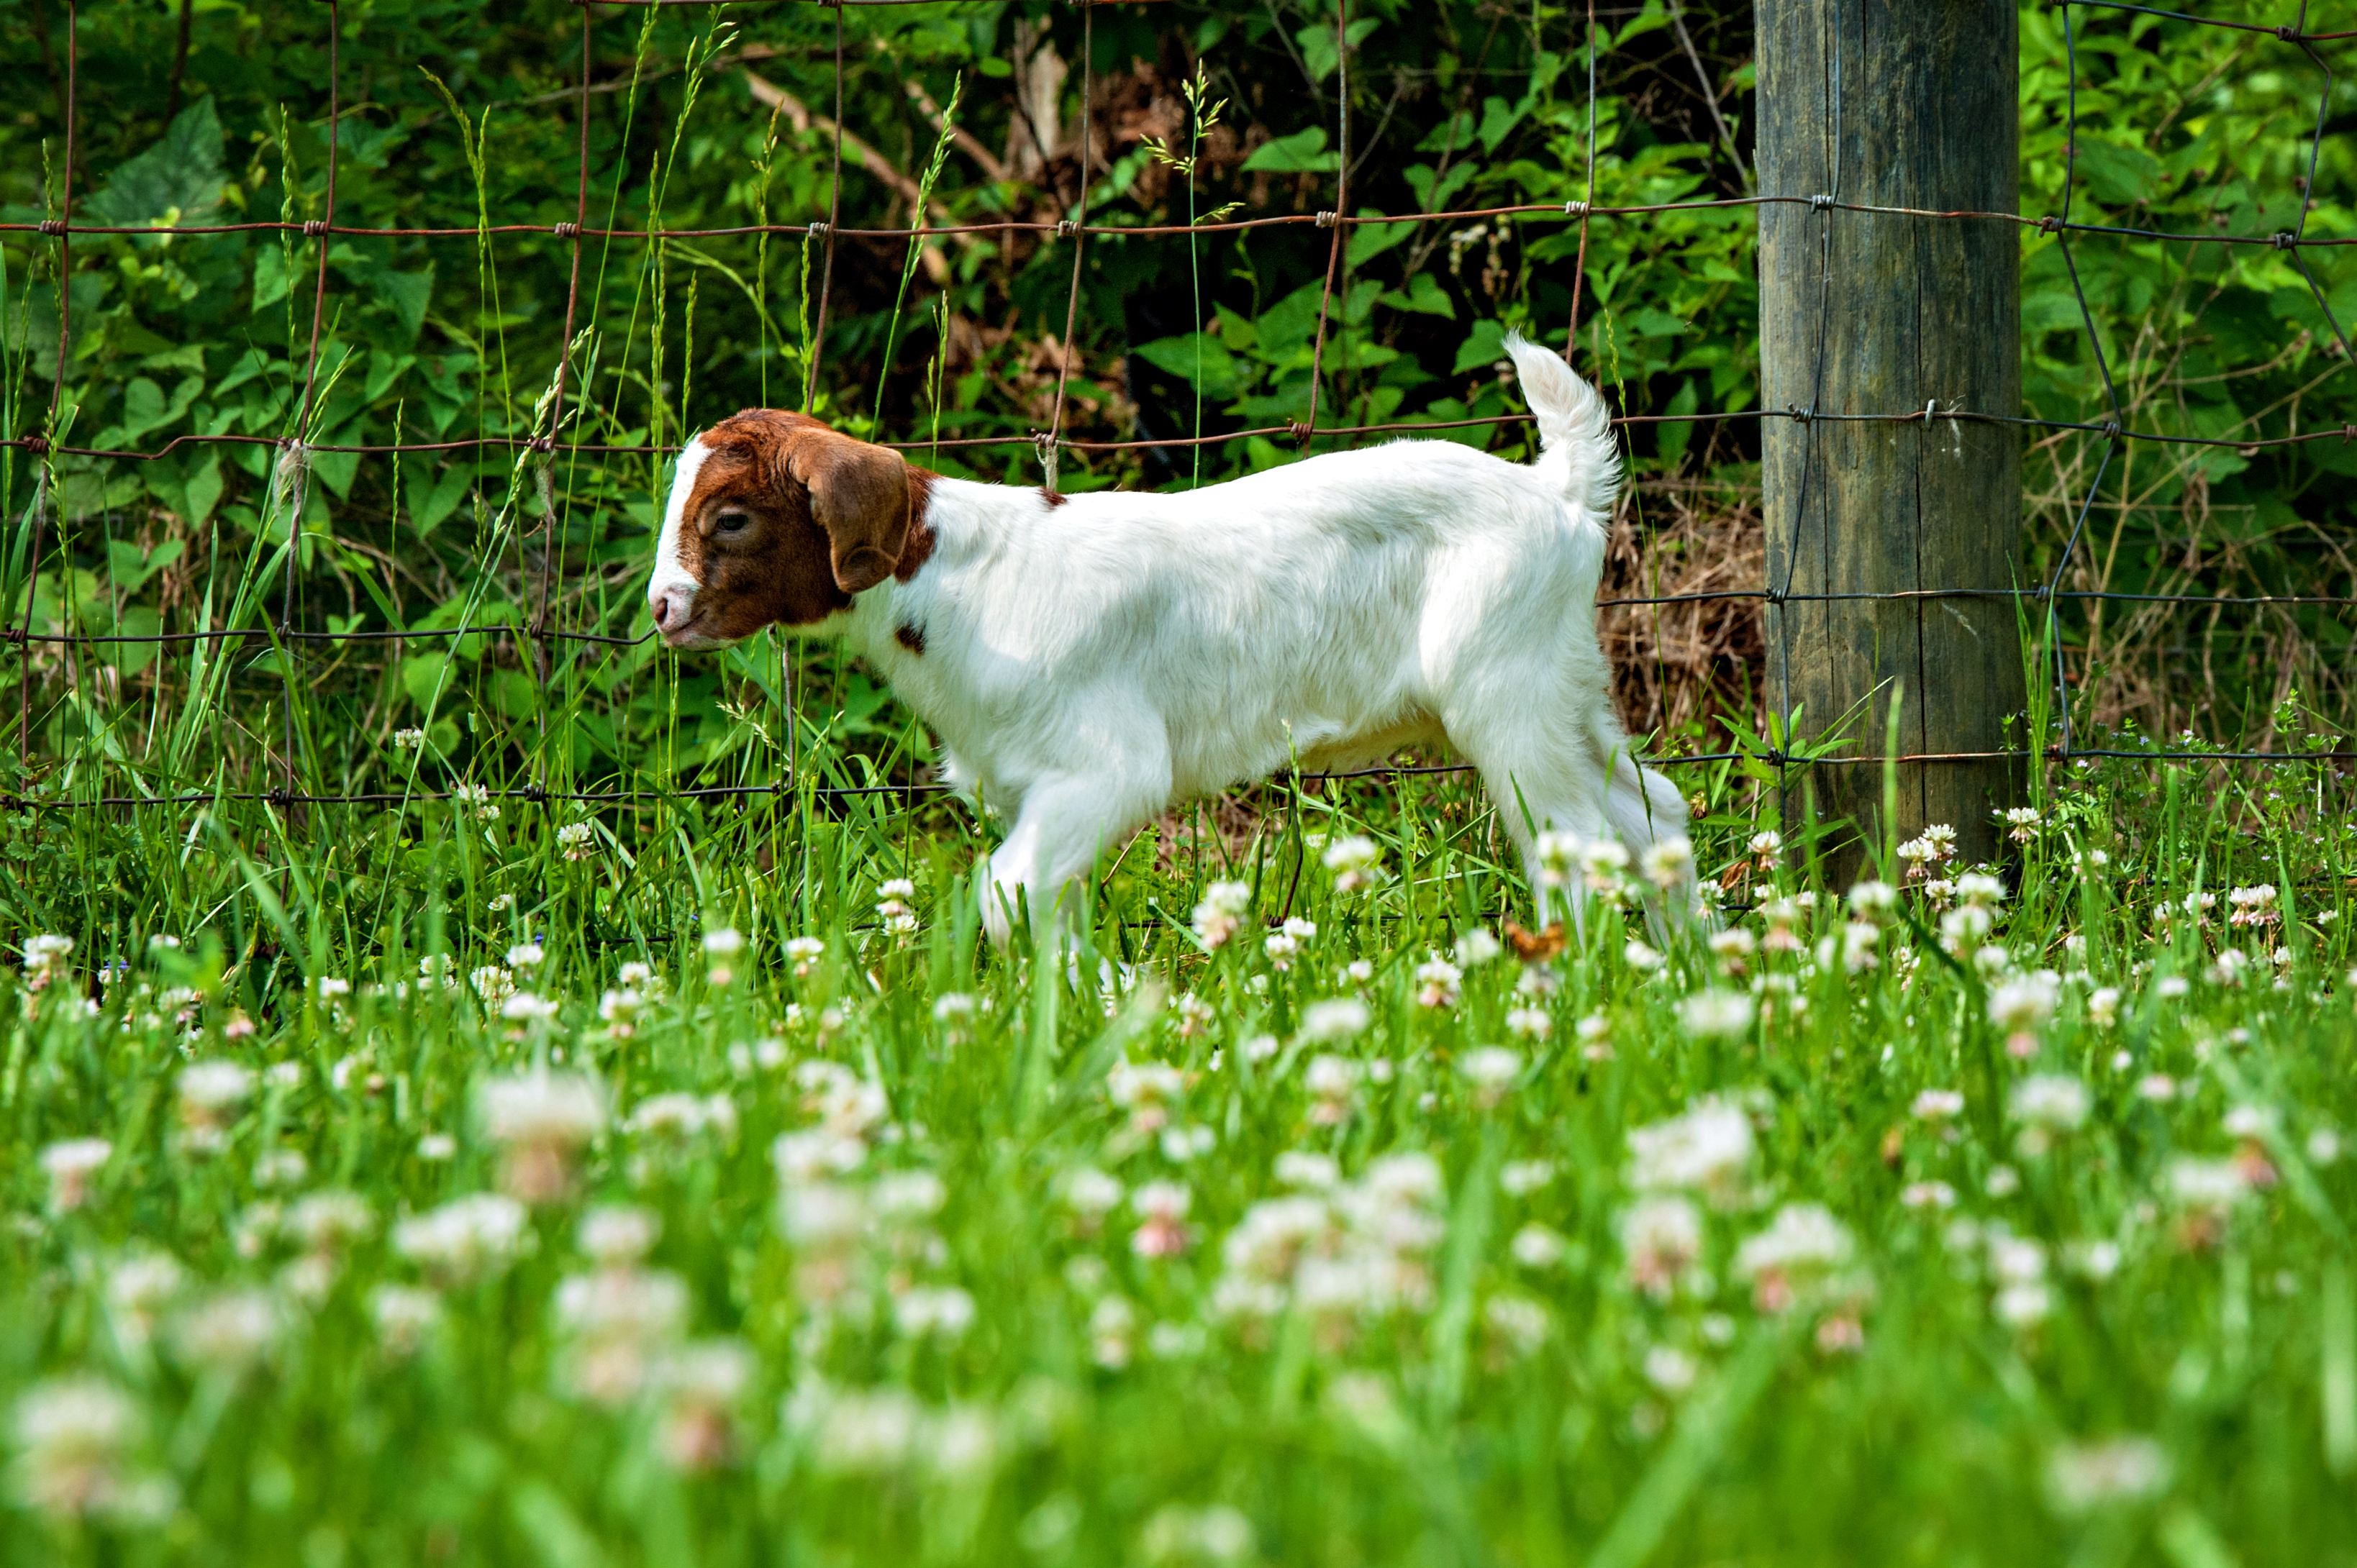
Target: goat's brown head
775,517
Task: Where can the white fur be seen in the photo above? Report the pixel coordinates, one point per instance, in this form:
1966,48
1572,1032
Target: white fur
1089,664
670,593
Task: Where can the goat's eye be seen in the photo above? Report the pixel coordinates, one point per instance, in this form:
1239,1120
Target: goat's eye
733,521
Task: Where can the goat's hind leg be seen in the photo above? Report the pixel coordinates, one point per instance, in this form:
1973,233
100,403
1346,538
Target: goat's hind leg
1538,792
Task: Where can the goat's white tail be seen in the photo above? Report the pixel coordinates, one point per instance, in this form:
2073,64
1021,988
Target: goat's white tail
1576,445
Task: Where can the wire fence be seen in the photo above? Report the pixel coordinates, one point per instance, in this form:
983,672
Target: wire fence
295,452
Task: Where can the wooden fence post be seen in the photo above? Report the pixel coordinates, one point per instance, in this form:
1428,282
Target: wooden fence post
1894,104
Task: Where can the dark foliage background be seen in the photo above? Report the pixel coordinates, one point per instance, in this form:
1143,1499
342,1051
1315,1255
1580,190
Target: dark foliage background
457,114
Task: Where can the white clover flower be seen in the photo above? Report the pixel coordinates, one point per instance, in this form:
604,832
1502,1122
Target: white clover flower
214,1090
1281,948
1519,1178
1089,1192
577,840
619,1322
70,1167
1928,1195
1162,1207
943,1312
1556,854
2022,1005
1667,862
1662,1236
1304,1169
464,1240
75,1437
2081,1478
1920,854
412,739
492,984
1604,864
1475,948
1859,939
526,1007
1220,913
815,1154
1356,863
724,941
617,1235
677,1117
541,1119
326,1221
404,1315
1640,958
1706,1149
1801,1247
2249,1122
1978,890
2051,1103
1530,1023
1872,900
1438,982
2023,1304
1937,1104
1732,945
1329,1080
953,1007
2104,1006
2254,906
2208,1185
1212,1536
898,887
2023,821
475,799
1336,1019
1536,1247
226,1334
1491,1070
1716,1014
1670,1369
1518,1323
620,1009
526,955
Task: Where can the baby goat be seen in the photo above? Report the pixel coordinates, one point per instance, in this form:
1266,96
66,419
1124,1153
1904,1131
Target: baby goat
1089,660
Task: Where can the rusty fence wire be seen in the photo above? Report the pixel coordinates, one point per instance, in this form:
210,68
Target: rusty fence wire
294,453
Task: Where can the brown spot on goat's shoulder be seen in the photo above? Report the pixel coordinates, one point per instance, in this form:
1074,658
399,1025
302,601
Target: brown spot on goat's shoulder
1052,498
910,637
919,548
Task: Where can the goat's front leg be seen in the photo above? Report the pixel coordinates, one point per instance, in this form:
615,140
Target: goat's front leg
1065,822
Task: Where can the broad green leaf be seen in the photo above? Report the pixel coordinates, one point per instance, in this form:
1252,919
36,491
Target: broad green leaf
1304,151
1425,296
181,175
1483,346
1202,361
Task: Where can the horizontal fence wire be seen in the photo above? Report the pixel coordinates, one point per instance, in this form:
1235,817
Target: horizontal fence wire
294,453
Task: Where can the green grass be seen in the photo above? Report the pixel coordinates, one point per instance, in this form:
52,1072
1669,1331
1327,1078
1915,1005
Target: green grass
957,1314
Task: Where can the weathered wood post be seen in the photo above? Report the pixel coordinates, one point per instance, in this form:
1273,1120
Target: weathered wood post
1892,103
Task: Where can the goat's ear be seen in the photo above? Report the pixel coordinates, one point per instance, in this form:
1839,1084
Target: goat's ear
859,494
